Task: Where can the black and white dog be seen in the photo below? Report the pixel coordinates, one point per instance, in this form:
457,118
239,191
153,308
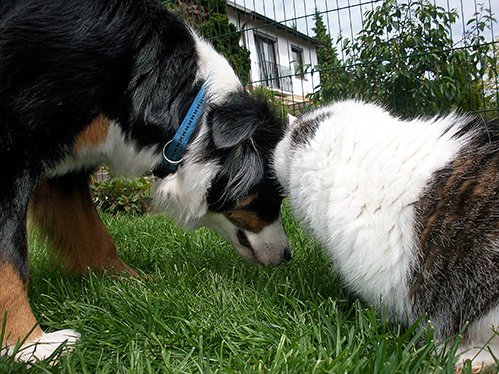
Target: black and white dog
89,82
408,212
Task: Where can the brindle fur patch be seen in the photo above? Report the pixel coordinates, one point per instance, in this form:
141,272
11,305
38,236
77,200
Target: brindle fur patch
457,226
305,128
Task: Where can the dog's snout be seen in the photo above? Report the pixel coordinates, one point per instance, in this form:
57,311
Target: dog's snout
267,253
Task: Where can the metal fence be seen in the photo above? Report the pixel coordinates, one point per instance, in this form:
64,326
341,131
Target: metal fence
415,57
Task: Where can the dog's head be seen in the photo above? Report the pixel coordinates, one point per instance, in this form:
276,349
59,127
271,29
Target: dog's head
225,183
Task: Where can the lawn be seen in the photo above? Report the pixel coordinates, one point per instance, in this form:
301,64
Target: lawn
205,310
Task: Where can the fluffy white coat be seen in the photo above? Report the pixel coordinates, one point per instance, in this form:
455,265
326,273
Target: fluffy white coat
353,186
353,174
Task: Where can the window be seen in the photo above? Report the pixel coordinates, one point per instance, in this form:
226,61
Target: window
266,60
272,74
297,60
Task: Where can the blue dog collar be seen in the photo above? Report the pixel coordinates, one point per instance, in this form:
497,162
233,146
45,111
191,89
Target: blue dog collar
172,151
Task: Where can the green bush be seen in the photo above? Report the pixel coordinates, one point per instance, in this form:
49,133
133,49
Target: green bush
405,58
122,195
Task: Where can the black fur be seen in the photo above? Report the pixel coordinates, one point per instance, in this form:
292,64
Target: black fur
246,133
64,62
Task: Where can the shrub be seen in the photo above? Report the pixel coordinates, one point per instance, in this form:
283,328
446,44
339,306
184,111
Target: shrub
122,195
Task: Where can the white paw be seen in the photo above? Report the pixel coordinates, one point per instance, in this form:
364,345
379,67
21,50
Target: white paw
479,357
46,345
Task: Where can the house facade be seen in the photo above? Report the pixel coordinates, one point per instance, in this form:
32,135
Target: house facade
281,57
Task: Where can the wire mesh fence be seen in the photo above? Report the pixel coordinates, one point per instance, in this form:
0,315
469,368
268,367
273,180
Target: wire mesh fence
414,57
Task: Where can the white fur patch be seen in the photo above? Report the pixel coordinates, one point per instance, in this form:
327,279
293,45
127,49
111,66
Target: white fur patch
270,243
484,331
227,230
182,195
223,80
354,185
122,155
45,346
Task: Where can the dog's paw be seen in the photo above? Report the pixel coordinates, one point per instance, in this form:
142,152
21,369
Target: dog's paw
475,369
480,358
46,345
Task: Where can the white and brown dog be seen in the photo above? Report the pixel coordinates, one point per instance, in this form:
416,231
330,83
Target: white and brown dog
89,82
408,212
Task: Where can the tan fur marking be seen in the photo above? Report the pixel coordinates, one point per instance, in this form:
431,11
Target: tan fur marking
14,299
94,134
73,230
246,201
246,220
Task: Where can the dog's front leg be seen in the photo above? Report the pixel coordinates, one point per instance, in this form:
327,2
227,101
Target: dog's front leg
16,316
17,322
18,325
14,265
61,208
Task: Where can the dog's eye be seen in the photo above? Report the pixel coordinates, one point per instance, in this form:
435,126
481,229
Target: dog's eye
243,239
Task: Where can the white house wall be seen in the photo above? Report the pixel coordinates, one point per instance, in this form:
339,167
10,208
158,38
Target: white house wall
285,39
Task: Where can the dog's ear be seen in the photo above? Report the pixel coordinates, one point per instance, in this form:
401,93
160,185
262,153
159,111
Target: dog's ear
234,121
230,132
232,125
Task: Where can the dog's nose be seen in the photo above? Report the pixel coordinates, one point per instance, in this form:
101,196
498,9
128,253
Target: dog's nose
287,254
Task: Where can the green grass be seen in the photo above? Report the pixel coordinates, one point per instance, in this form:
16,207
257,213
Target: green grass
206,310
